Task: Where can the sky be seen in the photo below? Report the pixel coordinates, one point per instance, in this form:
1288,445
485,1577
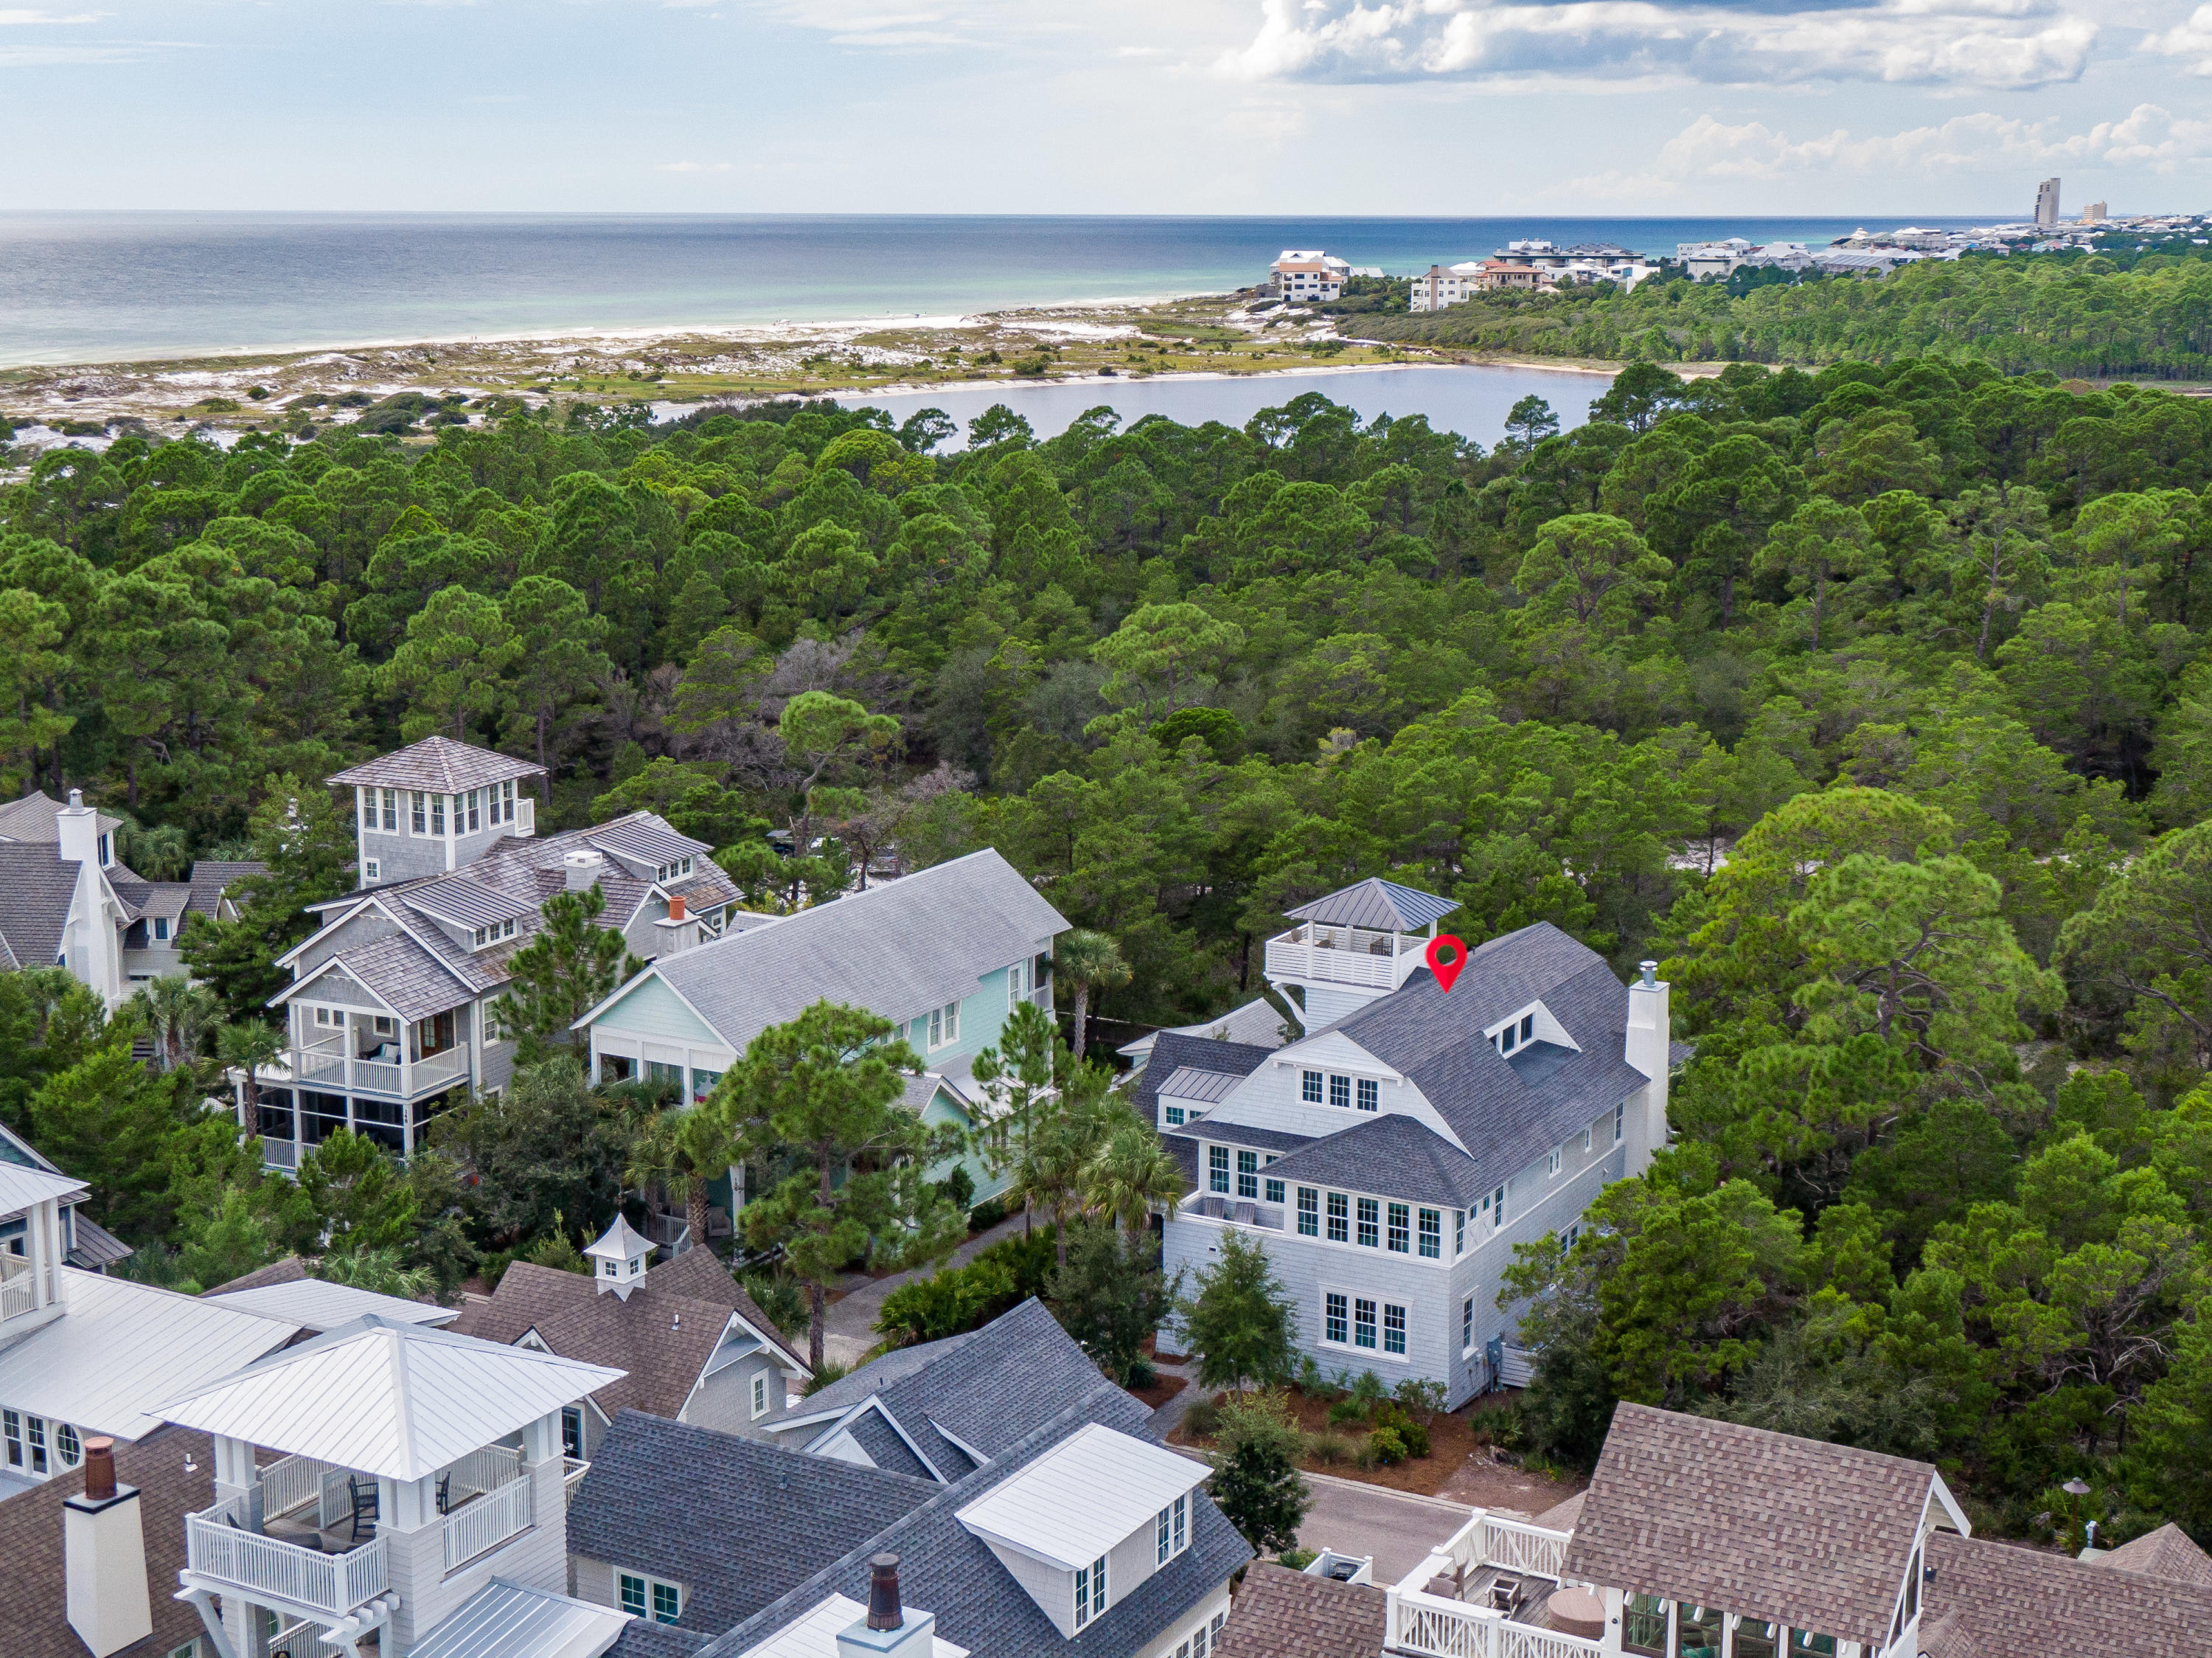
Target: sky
1449,107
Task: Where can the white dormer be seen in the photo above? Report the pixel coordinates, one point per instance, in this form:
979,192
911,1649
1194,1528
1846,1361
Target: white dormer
618,1259
1533,1023
1084,1524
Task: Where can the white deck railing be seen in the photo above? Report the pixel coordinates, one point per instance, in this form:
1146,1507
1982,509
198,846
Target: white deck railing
18,1286
573,1470
217,1545
1344,955
290,1483
480,1472
488,1521
526,815
330,1066
1443,1627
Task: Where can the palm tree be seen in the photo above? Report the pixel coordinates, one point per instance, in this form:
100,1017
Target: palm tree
379,1271
246,1047
1062,1148
1130,1173
661,1156
177,1013
1089,960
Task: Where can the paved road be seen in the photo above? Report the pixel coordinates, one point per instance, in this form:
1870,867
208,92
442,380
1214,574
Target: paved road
849,1326
1396,1528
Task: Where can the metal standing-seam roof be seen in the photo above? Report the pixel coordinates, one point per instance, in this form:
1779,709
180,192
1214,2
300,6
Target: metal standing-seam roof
1207,1087
313,1304
917,943
506,1620
395,1400
1380,906
20,1187
1813,1535
438,764
1174,1053
1084,1496
120,1349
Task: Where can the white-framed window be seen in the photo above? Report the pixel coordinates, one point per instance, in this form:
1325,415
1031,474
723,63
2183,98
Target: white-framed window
1248,1173
1272,1191
503,810
371,869
474,800
1459,1233
161,930
1308,1211
1175,1116
1336,1319
1394,1329
1371,1223
1014,987
572,1431
1433,1234
190,1649
1467,1328
328,1017
1619,1120
11,1438
1494,1206
944,1024
418,805
385,1025
1310,1086
649,1597
760,1393
1551,1161
1340,1092
1172,1530
1339,1218
1586,1140
1371,1094
68,1449
1569,1233
1089,1591
1216,1169
388,809
1401,1230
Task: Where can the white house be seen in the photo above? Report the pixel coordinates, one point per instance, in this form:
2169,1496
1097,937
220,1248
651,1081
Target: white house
1307,274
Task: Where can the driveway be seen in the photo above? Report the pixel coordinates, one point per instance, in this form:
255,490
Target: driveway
1398,1528
848,1325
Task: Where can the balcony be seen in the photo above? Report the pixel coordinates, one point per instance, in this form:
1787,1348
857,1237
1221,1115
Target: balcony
329,1065
526,815
1237,1212
18,1286
221,1550
573,1470
1488,1593
489,1513
1312,953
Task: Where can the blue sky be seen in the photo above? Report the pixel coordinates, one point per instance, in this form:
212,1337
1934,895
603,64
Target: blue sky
1420,106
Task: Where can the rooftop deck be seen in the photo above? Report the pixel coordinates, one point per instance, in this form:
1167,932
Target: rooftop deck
1486,1593
1344,955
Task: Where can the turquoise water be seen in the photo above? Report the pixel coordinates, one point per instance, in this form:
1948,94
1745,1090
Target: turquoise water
110,287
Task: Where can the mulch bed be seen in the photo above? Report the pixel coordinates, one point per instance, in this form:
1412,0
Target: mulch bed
1452,1440
1163,1388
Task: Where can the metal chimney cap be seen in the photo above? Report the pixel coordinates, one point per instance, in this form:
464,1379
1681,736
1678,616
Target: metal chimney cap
1650,974
884,1610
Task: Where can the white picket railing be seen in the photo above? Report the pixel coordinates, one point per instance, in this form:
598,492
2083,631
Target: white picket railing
480,1472
488,1521
1519,1546
18,1286
1443,1627
290,1483
573,1470
218,1546
1343,955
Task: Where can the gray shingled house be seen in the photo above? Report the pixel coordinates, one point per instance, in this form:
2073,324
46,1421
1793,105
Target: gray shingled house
1389,1159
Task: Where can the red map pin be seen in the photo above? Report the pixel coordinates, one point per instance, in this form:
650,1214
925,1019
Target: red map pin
1446,955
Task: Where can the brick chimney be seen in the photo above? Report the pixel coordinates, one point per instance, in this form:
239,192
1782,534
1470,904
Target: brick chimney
889,1628
104,1557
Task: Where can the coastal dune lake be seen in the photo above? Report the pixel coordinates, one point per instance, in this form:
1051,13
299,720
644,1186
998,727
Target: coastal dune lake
1472,401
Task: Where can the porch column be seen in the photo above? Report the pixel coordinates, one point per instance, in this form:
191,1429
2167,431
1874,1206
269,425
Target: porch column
245,1624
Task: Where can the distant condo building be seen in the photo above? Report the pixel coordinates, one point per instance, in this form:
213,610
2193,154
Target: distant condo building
1307,275
2094,213
2046,206
1526,266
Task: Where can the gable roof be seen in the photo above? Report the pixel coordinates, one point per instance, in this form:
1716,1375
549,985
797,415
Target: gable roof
895,949
1436,1040
174,1470
509,1620
2001,1601
1070,1504
440,766
1813,1535
1258,1022
1382,906
395,1400
289,1269
36,890
33,818
700,1273
1281,1614
2166,1553
765,1519
945,1569
1173,1052
212,878
1390,1154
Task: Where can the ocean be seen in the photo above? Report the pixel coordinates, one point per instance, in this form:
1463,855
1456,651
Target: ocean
118,287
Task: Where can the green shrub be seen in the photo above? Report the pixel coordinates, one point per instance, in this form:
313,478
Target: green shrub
1142,1376
987,1215
1346,1412
1386,1446
1031,1261
958,1298
1299,1559
1203,1417
830,1371
1412,1434
782,1298
1329,1449
958,1188
1421,1399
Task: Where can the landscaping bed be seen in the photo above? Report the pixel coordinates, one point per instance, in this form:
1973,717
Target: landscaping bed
1336,1449
1163,1388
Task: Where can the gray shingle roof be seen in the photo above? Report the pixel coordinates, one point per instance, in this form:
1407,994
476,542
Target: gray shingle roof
35,890
736,1521
1436,1040
413,981
31,818
641,1639
1382,905
2000,1601
438,764
884,1447
93,1246
213,877
1813,1535
896,950
1391,1155
946,1570
1173,1052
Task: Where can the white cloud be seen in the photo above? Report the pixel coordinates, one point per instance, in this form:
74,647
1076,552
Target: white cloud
1983,43
692,166
2148,136
20,16
2191,39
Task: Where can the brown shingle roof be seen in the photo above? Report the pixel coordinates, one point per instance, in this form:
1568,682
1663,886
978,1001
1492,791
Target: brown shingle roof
2166,1554
1281,1614
34,1620
2000,1601
700,1273
1814,1535
290,1270
438,764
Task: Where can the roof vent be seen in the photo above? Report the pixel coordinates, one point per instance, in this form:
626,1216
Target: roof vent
884,1593
581,868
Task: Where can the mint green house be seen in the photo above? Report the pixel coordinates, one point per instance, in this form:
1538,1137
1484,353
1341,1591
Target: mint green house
947,952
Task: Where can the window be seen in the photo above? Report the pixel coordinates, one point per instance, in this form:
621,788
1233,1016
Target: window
11,1432
1363,1323
1198,1642
1495,1205
1505,1040
1401,1230
1089,1591
389,809
67,1446
1432,1234
1309,1212
1335,1325
1567,1238
637,1594
1369,1218
1013,987
1619,1117
1697,1631
1467,1326
1394,1329
1182,1522
329,1016
1161,1541
1217,1168
703,1082
1552,1162
1803,1643
1586,1140
1274,1191
415,809
572,1432
1173,1529
760,1393
1175,1116
1528,1026
1340,1092
437,814
1459,1233
475,799
1756,1638
945,1025
190,1649
1248,1173
35,1436
1369,1095
1309,1087
1644,1625
504,811
371,870
1339,1211
162,928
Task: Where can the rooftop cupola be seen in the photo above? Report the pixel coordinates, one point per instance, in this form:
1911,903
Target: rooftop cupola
1354,946
618,1259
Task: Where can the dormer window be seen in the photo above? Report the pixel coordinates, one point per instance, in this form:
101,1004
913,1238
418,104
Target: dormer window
483,937
1173,1529
1089,1591
161,930
106,858
676,871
